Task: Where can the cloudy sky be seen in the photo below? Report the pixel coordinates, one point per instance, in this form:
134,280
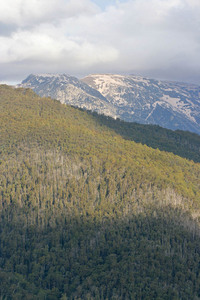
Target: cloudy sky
154,38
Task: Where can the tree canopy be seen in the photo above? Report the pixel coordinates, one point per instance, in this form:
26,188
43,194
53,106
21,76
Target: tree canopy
88,214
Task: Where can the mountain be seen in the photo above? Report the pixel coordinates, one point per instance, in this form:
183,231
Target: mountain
69,90
171,105
88,214
131,98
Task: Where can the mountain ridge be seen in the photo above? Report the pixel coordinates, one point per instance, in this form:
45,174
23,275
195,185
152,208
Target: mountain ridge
150,101
131,98
68,90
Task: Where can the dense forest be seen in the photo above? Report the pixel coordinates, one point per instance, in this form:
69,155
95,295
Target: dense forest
88,213
183,143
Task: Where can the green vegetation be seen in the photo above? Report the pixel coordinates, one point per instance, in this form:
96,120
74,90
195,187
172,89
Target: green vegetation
87,214
182,143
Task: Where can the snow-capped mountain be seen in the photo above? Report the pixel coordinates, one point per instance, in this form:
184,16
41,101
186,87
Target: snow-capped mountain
131,98
68,90
169,104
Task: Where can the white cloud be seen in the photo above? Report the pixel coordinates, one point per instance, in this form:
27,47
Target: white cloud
124,36
49,46
29,12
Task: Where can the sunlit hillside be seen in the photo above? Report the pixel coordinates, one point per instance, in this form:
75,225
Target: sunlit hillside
87,213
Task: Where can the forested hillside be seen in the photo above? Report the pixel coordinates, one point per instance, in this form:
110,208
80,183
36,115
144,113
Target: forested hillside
87,214
183,143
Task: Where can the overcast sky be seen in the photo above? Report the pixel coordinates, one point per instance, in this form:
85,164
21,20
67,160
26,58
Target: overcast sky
154,38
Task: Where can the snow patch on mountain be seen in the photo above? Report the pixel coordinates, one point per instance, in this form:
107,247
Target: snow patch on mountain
178,105
168,104
69,90
132,98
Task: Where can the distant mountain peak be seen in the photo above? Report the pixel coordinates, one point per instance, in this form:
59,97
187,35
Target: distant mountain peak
172,105
68,90
131,98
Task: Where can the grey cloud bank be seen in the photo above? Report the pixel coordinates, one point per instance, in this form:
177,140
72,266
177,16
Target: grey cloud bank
154,38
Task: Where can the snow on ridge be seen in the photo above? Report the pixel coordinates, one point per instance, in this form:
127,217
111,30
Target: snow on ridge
140,79
103,81
154,107
129,97
179,106
47,75
51,75
175,102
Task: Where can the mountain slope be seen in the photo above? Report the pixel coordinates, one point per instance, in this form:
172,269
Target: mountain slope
168,104
69,90
86,214
182,143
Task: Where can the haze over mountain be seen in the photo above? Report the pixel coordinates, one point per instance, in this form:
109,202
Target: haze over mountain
131,98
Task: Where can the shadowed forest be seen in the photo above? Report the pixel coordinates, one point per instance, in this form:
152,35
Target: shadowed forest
89,212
